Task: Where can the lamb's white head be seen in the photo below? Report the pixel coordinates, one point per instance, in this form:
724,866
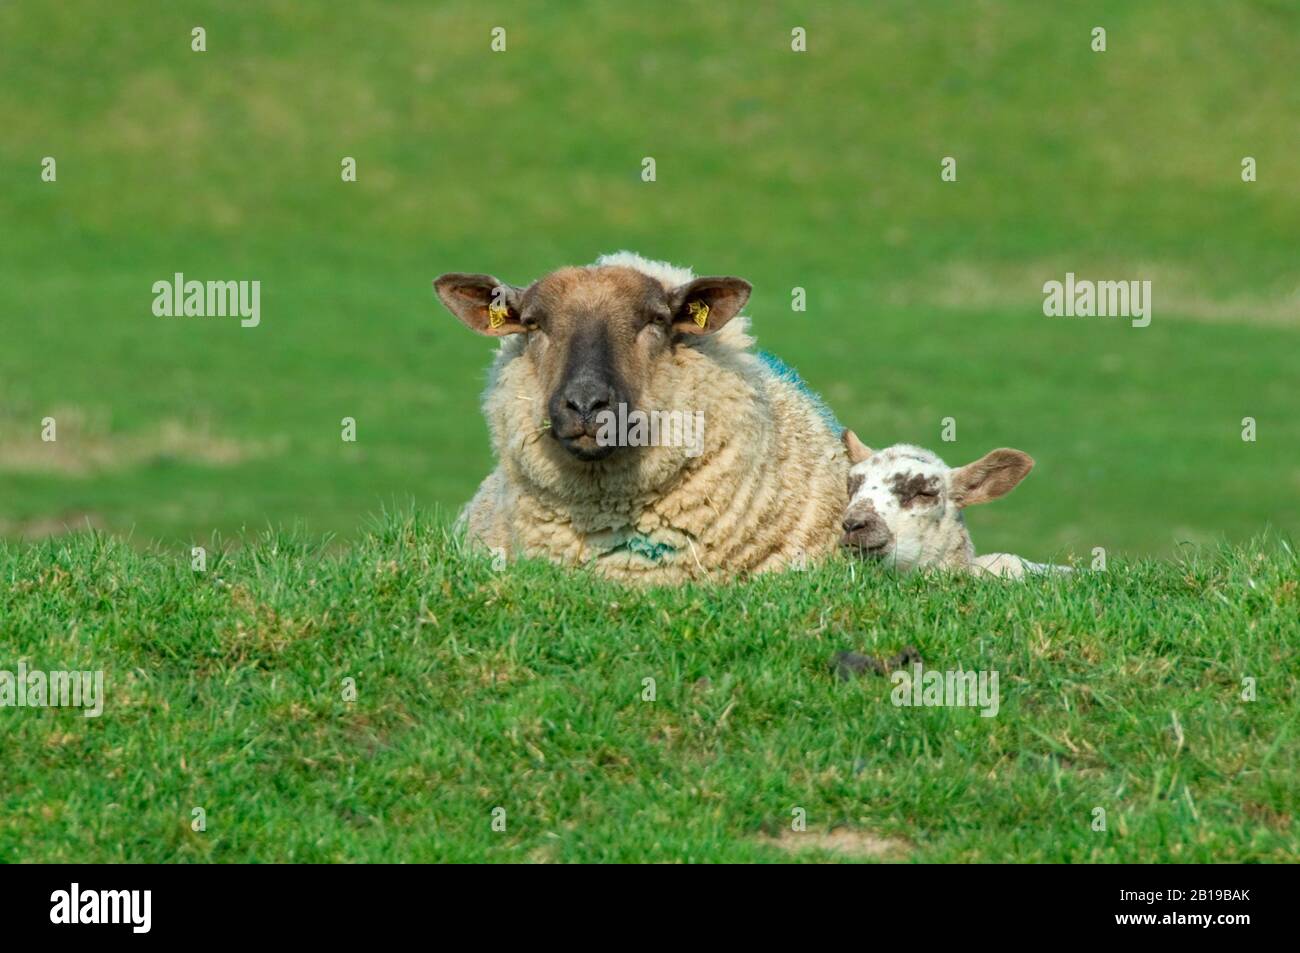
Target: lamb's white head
905,503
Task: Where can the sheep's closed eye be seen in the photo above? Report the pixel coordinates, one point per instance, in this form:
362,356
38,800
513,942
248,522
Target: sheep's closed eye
855,483
657,316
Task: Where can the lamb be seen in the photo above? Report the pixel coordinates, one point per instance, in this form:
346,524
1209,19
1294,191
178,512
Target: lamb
906,507
760,486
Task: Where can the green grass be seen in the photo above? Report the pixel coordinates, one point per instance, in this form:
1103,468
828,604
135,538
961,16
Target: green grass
818,170
522,689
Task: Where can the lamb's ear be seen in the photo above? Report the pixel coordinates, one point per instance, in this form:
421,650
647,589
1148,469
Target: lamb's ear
704,305
482,303
993,475
858,451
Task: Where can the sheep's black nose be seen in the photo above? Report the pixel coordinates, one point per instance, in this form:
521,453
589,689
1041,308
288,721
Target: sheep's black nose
853,522
588,399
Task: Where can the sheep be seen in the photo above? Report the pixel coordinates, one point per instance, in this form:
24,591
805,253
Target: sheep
906,507
761,486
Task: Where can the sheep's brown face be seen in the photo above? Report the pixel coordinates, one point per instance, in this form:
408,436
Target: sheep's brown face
594,336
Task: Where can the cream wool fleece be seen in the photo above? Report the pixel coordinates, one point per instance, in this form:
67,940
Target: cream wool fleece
768,490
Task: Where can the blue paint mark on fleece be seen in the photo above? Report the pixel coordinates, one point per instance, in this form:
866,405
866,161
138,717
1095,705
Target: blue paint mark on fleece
787,373
642,546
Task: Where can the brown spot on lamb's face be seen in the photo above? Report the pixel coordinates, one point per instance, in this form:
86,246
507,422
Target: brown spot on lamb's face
595,336
915,489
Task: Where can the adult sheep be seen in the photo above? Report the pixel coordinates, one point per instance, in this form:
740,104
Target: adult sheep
765,488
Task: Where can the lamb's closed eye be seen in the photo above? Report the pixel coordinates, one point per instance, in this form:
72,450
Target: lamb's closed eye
913,488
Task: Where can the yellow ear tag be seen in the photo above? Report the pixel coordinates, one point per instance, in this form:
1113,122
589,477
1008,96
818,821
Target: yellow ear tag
700,311
497,315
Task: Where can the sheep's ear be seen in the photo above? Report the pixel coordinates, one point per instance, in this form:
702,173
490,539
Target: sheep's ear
704,305
858,451
482,303
993,475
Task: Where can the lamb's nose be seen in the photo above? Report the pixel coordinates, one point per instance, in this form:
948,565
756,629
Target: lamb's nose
853,522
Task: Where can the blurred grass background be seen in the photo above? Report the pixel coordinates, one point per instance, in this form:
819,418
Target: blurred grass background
818,170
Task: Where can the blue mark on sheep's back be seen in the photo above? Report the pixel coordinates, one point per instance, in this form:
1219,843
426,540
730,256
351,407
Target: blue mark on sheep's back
785,372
